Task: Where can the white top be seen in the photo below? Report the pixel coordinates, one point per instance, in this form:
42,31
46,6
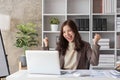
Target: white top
71,57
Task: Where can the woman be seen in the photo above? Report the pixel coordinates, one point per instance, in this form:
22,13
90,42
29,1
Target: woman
75,53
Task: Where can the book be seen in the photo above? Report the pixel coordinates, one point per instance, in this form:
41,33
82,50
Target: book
118,41
107,55
84,24
104,40
108,6
104,24
97,6
81,24
104,43
99,24
105,47
95,24
77,21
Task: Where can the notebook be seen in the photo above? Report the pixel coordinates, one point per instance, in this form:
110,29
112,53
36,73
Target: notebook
43,62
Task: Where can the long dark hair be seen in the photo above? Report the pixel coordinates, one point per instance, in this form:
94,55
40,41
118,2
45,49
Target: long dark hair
63,43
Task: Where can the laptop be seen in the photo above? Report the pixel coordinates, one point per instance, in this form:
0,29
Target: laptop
43,62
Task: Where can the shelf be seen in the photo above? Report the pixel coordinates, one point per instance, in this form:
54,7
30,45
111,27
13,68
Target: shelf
118,13
118,49
59,31
53,14
104,22
103,14
52,32
101,67
111,49
84,31
46,21
97,16
118,31
78,14
103,31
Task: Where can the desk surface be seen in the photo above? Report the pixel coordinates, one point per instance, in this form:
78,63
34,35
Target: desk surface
77,75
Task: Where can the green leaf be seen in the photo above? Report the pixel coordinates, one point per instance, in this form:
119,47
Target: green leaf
26,36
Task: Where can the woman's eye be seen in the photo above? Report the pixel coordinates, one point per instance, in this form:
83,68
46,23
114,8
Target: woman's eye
63,32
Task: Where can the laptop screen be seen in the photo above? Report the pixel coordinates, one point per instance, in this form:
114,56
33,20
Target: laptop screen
42,62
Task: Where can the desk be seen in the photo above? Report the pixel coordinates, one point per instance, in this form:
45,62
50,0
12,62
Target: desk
24,75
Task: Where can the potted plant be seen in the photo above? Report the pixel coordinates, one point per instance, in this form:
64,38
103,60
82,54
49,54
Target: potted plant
26,37
54,21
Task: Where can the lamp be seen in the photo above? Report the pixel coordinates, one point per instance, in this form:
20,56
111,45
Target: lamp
4,25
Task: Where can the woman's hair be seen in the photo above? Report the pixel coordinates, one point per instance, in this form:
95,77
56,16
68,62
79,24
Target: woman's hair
63,43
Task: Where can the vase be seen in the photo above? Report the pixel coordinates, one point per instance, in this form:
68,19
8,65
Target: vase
54,27
23,60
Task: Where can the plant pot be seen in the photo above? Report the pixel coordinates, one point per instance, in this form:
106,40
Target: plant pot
23,60
54,27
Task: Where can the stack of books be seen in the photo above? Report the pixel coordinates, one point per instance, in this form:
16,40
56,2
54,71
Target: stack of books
106,61
118,41
104,43
100,24
118,58
118,6
103,6
118,23
82,24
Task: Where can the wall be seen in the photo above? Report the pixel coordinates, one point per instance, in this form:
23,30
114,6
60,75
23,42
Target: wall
21,11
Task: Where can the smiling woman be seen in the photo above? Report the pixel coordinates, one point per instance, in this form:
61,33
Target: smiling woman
68,33
73,51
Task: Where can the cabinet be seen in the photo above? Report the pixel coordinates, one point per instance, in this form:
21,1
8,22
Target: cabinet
99,16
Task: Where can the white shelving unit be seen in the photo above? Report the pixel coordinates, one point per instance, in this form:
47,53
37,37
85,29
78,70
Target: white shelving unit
108,10
117,31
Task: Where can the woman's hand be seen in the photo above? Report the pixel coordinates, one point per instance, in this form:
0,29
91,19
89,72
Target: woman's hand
97,37
45,41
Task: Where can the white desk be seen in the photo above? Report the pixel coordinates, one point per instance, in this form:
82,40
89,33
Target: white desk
93,75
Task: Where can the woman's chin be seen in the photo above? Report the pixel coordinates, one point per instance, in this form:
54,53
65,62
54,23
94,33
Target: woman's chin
70,40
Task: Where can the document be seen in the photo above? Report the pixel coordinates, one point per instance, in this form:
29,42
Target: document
115,74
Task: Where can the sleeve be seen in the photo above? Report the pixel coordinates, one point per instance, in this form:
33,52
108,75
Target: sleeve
93,54
44,47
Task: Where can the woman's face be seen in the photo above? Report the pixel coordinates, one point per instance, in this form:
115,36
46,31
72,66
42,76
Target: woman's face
68,33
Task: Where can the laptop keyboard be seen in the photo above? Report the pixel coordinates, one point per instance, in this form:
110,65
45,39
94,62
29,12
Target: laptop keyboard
63,72
67,72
